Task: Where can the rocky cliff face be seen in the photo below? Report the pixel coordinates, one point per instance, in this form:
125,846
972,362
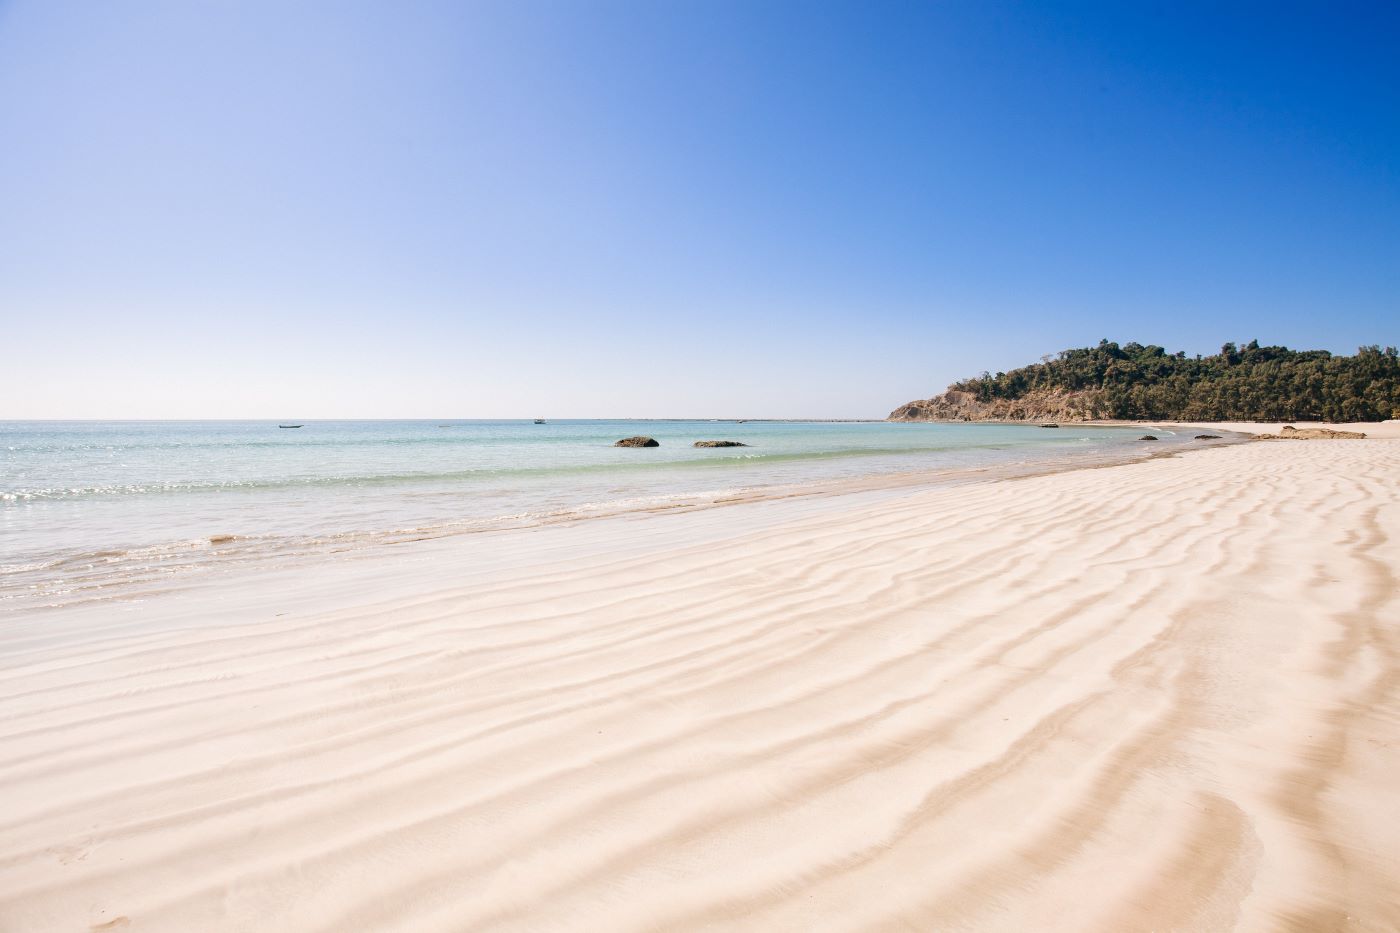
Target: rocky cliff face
1044,405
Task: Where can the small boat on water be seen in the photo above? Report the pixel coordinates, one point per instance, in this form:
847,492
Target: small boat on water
289,425
540,421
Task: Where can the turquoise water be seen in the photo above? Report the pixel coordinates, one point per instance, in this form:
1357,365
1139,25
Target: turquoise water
86,507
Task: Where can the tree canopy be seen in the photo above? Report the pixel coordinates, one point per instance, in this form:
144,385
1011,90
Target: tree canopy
1248,383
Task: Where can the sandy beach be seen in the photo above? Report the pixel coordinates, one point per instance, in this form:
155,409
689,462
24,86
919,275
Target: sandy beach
1375,430
1155,696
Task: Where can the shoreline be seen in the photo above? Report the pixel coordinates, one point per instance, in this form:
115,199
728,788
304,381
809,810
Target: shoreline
1158,694
195,562
1372,429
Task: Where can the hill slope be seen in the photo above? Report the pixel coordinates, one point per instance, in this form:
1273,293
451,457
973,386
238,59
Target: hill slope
1249,383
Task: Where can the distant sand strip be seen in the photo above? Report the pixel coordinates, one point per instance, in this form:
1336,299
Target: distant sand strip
1155,696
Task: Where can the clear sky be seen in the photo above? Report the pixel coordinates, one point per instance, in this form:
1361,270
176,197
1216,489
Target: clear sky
404,209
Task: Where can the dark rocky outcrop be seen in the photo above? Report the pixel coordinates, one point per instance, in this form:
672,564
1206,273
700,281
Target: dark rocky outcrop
1207,437
1148,437
638,441
720,444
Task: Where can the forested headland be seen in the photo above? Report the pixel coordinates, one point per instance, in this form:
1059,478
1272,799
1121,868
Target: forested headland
1143,381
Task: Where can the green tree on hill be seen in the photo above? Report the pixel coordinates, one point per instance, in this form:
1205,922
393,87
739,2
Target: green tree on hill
1248,383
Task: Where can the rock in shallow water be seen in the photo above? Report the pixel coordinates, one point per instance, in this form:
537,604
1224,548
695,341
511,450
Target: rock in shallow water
1148,437
720,444
637,441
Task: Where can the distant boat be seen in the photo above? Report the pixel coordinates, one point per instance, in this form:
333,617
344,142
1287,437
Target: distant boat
289,425
540,421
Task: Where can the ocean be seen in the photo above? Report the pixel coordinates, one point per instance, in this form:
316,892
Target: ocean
98,510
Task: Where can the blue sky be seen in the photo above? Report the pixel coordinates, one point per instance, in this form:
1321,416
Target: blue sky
297,209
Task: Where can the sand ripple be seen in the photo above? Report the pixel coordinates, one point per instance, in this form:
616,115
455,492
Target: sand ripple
1156,696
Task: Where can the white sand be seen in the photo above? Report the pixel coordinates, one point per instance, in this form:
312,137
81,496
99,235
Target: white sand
1157,696
1372,429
